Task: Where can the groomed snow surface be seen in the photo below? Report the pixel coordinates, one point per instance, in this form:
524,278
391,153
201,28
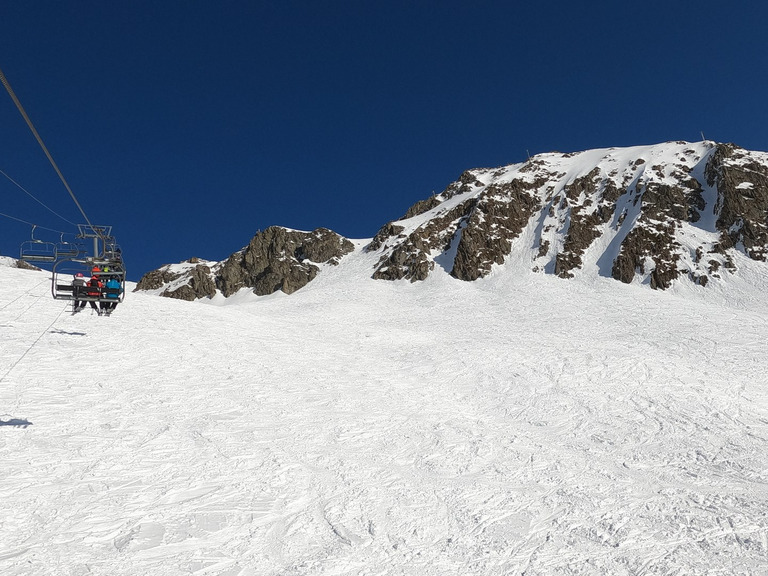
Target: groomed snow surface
521,424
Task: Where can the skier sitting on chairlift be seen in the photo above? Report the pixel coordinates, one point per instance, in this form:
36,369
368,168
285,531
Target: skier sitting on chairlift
78,289
112,293
93,290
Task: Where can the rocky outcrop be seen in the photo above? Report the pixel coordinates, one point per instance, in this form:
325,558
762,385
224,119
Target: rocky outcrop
409,257
652,246
584,224
280,259
156,279
199,285
24,265
496,218
653,214
742,184
275,259
481,228
190,280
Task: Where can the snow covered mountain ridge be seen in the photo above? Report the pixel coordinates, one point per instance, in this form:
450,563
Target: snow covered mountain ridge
672,212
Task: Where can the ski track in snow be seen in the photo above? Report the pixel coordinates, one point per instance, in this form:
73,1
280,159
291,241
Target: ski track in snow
516,425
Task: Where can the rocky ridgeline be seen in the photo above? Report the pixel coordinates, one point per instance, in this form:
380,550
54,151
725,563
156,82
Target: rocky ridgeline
275,259
658,212
653,213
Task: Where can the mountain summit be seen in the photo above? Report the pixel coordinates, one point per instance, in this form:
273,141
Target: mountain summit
649,214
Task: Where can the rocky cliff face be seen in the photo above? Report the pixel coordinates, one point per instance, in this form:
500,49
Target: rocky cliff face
275,259
189,280
655,213
280,259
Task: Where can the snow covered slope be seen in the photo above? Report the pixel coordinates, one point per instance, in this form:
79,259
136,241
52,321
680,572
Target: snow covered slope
516,424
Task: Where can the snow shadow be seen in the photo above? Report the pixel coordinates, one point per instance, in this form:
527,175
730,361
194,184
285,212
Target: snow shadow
446,259
16,423
58,331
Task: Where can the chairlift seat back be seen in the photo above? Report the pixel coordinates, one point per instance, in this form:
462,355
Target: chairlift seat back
38,251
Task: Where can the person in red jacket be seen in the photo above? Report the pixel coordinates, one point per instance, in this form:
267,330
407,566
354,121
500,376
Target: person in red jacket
93,290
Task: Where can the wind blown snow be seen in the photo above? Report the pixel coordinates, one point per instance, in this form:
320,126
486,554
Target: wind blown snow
517,424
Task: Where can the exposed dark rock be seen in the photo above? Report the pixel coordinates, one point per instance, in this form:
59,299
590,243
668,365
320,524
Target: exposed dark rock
742,185
409,258
24,265
386,231
644,244
275,259
661,201
467,182
156,279
185,292
582,232
280,259
422,206
584,224
483,227
407,261
640,243
496,219
660,196
200,285
701,280
198,282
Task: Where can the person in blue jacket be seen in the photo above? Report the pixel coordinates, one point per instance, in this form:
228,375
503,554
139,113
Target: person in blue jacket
112,290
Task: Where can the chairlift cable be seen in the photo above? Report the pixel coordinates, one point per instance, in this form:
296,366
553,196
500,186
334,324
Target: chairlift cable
16,101
33,224
43,333
98,232
20,296
20,187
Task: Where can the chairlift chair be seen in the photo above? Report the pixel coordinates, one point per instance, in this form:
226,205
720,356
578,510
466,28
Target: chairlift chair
63,275
66,249
35,250
111,250
113,253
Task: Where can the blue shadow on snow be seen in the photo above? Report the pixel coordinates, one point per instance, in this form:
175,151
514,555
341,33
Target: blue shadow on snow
16,423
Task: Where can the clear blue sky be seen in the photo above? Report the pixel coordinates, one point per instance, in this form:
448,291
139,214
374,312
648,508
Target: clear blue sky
190,125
